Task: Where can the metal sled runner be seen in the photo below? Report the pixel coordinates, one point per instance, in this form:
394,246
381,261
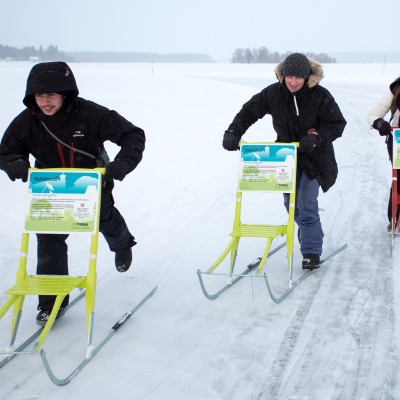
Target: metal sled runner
266,167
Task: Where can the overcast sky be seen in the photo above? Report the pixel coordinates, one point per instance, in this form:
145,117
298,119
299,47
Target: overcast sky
213,27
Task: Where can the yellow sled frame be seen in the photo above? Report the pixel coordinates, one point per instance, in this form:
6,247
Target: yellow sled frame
58,286
269,232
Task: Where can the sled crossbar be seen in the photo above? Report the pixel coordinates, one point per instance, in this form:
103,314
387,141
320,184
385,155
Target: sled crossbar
47,285
259,231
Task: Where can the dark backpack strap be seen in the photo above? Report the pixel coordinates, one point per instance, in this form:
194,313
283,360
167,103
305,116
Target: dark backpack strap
65,144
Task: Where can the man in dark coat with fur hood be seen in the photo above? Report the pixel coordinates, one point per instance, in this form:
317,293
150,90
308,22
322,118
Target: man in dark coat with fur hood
61,130
305,112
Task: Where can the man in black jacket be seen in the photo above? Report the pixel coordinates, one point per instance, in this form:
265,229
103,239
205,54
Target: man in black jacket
61,130
305,112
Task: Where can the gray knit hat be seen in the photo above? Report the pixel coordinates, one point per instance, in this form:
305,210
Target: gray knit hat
297,64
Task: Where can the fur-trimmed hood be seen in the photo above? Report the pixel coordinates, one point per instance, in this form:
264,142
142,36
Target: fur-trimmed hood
316,73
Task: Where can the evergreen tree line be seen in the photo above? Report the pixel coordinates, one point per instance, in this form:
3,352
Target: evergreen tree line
263,55
51,53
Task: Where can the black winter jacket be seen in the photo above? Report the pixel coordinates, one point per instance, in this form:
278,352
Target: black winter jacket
293,115
82,124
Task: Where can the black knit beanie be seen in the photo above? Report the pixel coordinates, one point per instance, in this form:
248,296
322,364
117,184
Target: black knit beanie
297,64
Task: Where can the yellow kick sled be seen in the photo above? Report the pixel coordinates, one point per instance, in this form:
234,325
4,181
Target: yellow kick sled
59,201
271,168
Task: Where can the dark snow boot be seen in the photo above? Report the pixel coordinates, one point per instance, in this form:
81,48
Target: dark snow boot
311,261
123,260
44,315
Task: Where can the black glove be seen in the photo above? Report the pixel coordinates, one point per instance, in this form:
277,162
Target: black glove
310,142
116,170
230,141
382,126
18,169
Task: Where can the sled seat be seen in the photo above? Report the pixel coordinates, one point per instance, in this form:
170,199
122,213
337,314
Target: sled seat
259,231
47,285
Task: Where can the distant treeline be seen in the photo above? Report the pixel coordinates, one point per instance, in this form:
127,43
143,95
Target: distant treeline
263,55
51,53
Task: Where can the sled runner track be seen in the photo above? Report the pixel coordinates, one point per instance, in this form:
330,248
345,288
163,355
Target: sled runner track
369,329
270,390
352,320
372,271
356,327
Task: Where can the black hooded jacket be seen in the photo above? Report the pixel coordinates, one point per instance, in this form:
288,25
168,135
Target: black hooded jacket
80,123
293,115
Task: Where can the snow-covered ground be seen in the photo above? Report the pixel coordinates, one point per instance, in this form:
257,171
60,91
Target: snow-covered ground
335,337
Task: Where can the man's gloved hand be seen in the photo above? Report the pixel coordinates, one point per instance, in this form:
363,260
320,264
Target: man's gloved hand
18,169
310,142
116,170
230,141
382,126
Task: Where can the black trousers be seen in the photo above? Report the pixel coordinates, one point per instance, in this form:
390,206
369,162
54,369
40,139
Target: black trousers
52,249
